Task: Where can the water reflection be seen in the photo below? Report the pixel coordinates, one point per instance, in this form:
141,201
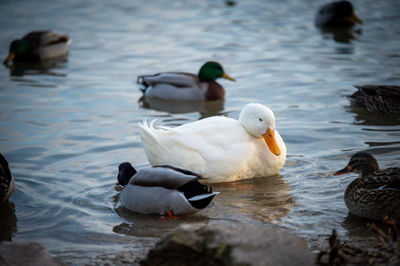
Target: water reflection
42,67
364,117
142,225
266,199
341,35
8,221
205,108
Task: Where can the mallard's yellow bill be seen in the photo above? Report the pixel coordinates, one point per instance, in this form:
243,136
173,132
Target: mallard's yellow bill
226,76
356,18
9,58
343,171
269,138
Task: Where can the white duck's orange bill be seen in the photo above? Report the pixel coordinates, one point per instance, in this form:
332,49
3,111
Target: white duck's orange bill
269,138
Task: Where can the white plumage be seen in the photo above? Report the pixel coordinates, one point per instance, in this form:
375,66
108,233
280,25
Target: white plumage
221,149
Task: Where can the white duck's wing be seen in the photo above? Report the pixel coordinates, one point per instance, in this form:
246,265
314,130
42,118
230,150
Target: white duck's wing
163,176
212,146
176,79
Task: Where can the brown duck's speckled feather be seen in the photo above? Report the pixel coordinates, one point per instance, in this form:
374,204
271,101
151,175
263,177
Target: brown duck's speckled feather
375,194
378,98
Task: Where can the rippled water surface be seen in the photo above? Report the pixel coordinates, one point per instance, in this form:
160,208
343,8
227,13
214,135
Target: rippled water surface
65,128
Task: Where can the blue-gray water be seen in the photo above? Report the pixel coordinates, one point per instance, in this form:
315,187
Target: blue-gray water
65,129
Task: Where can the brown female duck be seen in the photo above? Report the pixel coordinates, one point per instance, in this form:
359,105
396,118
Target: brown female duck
378,98
375,192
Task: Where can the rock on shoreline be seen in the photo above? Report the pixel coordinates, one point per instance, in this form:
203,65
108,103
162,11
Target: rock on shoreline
199,244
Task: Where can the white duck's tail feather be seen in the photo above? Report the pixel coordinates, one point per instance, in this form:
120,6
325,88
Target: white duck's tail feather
152,146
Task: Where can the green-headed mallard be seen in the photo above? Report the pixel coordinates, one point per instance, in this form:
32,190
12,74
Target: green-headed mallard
375,192
378,98
7,185
38,46
186,86
336,14
220,148
162,190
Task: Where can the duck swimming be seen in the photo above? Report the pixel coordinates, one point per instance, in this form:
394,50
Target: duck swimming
221,149
336,14
7,184
375,193
378,98
38,46
162,190
186,86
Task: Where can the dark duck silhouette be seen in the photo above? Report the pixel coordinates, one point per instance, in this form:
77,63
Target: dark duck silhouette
336,14
378,98
375,193
7,185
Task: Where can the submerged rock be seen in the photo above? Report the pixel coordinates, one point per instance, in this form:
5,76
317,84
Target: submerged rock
199,244
25,253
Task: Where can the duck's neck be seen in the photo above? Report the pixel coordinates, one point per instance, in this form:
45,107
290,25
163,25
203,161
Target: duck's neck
214,91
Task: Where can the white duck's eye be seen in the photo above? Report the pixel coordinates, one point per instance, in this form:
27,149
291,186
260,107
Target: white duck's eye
260,119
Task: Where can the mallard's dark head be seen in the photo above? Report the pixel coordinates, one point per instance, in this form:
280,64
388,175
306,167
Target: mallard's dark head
211,71
125,172
17,47
362,163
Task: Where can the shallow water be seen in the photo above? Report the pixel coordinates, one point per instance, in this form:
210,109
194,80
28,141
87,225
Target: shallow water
65,129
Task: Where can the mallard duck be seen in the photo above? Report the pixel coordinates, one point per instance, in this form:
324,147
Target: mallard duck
375,192
7,185
162,190
186,86
221,149
38,46
336,14
378,98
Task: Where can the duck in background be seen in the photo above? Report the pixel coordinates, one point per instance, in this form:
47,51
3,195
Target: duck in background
375,193
38,46
186,86
378,98
221,149
7,184
336,14
162,190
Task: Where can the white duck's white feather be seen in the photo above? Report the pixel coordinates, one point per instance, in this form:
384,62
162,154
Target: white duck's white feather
219,148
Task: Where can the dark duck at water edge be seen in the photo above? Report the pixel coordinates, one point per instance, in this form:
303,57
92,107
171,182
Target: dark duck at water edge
336,14
375,193
38,46
378,98
162,190
7,185
186,86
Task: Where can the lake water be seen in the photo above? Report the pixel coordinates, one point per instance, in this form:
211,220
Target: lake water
65,129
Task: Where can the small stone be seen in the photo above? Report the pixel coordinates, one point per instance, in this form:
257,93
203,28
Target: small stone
25,253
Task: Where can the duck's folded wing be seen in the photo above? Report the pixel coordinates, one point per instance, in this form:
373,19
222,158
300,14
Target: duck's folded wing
46,38
167,177
176,79
380,90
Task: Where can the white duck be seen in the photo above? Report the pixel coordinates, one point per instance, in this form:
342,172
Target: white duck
162,190
221,149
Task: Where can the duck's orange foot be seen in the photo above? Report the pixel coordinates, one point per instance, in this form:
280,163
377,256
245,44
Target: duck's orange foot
170,215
